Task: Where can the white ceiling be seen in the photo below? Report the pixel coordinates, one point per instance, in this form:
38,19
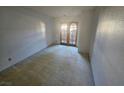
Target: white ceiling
61,11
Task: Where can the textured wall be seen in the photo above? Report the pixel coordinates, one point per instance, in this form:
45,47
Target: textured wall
22,34
86,19
108,53
93,29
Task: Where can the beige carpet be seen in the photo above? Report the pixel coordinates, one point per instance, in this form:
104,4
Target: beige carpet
57,65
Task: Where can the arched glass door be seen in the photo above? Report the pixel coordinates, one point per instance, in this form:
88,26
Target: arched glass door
68,34
73,34
63,33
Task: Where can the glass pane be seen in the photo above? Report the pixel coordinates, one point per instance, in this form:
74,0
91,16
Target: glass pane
64,33
73,29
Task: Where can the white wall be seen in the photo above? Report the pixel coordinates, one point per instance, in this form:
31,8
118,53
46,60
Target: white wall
84,33
21,34
108,53
94,24
86,19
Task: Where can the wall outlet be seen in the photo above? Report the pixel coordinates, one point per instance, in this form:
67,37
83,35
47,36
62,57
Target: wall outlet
9,59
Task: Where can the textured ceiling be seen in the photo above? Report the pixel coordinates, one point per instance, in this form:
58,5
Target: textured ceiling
61,11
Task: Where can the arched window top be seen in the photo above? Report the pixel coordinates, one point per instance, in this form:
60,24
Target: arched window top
73,26
64,27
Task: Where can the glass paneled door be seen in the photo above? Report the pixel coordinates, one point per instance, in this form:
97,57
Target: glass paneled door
68,34
73,34
63,33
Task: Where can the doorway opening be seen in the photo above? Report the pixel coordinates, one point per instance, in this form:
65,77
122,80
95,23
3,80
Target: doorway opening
68,34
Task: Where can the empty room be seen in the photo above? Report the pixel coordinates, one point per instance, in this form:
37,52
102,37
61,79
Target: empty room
61,45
